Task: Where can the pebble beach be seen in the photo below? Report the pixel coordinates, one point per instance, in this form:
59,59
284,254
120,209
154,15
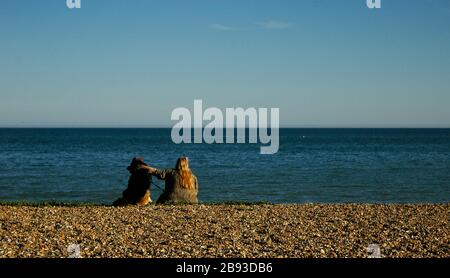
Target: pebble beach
226,231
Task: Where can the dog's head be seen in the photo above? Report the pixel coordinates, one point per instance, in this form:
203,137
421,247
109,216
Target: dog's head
135,163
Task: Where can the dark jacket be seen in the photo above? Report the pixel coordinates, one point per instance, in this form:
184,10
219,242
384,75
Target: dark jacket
174,192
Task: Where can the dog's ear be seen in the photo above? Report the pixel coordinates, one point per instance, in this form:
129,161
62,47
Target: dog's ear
135,163
138,160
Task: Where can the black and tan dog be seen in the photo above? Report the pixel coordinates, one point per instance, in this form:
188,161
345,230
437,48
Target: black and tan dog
138,190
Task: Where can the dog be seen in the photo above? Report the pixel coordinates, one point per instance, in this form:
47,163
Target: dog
139,183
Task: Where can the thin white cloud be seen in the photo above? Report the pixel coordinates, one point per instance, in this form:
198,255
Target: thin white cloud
269,25
274,24
221,27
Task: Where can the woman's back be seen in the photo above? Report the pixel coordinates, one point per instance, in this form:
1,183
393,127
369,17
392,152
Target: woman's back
175,191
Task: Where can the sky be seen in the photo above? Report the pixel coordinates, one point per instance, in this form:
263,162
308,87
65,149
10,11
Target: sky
323,63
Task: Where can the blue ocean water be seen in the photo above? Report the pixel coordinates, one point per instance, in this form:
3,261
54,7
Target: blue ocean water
312,165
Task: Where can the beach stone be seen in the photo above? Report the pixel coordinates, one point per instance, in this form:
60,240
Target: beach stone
186,231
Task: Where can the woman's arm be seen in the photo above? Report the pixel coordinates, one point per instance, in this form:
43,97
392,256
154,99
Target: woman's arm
160,174
151,170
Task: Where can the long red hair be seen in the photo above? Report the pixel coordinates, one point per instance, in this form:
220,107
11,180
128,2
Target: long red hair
187,179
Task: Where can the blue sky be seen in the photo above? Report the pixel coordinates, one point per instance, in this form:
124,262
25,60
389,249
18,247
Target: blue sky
324,63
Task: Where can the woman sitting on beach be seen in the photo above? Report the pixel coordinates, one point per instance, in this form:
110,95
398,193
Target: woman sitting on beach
181,183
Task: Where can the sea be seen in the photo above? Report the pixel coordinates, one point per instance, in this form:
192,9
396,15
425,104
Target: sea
312,165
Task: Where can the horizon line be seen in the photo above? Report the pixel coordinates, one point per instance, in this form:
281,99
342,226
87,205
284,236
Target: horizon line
170,127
